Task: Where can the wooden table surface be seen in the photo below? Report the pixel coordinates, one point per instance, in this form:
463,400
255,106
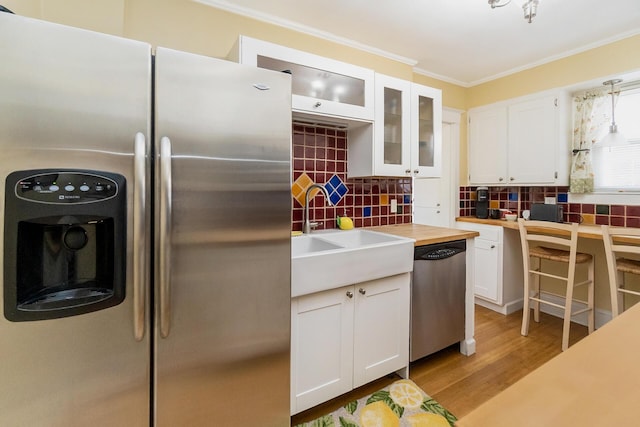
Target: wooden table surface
425,234
596,382
584,230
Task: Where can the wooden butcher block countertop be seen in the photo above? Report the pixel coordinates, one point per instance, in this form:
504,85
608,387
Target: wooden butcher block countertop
425,234
596,382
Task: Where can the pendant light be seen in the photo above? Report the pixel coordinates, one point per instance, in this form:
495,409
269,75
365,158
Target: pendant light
613,137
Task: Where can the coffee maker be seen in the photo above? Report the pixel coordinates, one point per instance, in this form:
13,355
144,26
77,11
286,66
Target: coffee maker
482,202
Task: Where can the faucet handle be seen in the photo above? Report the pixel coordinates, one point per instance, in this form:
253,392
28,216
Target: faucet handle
314,225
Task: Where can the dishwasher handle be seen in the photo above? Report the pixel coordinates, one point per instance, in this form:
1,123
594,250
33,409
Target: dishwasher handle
439,251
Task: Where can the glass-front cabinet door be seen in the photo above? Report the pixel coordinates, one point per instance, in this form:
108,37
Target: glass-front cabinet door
426,130
319,85
392,136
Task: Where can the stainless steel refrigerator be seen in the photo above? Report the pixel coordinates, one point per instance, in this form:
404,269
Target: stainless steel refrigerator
146,234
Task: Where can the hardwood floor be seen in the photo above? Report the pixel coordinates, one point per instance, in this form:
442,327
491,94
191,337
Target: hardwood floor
462,383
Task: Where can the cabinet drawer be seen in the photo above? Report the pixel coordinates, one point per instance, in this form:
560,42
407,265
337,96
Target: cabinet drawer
487,232
485,244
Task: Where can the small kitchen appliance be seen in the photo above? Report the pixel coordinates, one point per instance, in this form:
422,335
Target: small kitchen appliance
482,202
545,212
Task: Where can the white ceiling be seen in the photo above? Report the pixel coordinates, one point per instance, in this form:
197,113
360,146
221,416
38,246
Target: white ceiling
460,41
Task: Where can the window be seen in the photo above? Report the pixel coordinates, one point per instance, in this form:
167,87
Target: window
617,169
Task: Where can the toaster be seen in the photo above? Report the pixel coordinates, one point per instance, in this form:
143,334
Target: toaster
544,212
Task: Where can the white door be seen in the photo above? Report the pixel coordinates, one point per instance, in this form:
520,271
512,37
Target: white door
321,347
381,333
435,200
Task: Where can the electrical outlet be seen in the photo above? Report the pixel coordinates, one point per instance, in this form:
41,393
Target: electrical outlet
394,206
549,200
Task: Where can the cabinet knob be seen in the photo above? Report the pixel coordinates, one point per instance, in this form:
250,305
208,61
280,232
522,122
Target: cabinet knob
493,246
437,211
362,291
501,179
317,104
350,294
511,179
416,171
407,171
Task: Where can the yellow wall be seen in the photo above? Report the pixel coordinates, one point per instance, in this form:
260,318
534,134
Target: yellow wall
615,58
194,27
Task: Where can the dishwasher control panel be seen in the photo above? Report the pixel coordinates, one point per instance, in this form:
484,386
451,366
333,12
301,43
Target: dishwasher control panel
440,250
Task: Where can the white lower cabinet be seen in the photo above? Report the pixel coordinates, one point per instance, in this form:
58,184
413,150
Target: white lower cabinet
346,337
497,267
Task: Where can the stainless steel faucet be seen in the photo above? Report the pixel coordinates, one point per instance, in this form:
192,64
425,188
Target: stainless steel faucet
308,225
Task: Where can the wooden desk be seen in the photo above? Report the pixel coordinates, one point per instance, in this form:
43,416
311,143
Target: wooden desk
596,382
584,230
587,231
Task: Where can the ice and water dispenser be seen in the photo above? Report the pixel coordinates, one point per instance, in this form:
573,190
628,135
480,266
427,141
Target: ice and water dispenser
64,243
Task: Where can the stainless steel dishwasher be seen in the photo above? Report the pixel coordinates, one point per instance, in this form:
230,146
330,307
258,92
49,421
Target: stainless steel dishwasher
438,289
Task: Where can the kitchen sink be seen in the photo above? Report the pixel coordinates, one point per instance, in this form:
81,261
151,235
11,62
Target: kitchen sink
357,238
303,245
334,258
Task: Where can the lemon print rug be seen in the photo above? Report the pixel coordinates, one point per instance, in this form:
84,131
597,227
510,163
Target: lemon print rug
402,403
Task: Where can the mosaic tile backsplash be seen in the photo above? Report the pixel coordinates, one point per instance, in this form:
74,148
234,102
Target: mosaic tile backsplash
517,199
320,156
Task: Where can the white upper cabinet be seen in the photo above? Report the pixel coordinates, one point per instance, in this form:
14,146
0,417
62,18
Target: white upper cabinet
488,145
407,132
524,141
392,128
320,86
426,131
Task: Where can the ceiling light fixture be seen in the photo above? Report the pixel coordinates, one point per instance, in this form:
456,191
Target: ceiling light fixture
613,138
530,7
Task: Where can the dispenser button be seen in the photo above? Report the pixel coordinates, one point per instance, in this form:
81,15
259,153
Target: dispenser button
84,187
37,188
69,187
53,187
99,187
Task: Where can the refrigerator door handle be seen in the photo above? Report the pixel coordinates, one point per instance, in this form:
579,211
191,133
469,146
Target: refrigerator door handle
165,236
139,227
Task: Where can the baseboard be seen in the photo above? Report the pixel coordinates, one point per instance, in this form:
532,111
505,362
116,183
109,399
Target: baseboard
602,316
508,308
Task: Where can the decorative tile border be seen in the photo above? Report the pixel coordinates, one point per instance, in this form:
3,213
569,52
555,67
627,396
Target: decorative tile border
321,154
518,199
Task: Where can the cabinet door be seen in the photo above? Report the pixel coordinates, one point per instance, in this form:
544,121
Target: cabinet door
431,202
488,146
392,137
321,347
533,141
381,332
487,270
426,131
319,85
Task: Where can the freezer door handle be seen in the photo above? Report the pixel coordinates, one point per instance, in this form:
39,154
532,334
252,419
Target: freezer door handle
165,236
139,227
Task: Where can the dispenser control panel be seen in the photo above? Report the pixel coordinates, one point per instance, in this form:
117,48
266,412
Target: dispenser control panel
66,187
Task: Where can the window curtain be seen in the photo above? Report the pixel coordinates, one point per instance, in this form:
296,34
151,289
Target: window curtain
589,122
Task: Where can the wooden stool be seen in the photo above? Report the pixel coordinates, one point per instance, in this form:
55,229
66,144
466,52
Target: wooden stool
563,239
619,243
